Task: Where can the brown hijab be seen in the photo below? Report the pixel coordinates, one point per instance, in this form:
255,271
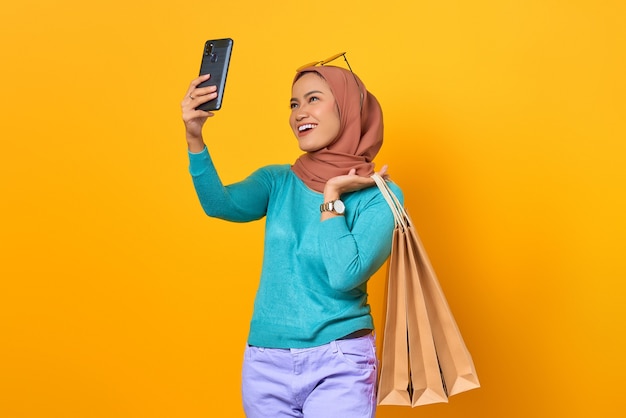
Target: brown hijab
360,133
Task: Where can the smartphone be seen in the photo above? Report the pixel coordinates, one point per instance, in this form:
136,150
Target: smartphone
215,60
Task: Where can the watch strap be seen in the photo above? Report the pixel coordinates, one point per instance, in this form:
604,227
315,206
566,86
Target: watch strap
331,206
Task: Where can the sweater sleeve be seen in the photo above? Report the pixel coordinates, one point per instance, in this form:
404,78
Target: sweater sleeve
243,201
353,253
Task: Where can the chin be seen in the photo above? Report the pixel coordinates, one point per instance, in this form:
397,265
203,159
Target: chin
308,148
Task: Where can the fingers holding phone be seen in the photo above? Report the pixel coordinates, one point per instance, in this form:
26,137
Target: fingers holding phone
197,96
193,117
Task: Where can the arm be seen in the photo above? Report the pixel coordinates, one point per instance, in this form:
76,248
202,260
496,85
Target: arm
339,185
240,202
353,251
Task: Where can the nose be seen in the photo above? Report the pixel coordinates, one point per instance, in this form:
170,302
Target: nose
301,113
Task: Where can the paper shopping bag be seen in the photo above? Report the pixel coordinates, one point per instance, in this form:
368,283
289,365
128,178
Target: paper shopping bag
410,372
457,366
394,384
427,384
424,358
407,376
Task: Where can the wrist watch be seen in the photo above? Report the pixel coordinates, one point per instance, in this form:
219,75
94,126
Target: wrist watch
335,206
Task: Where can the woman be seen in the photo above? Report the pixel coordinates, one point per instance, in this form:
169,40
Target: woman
310,346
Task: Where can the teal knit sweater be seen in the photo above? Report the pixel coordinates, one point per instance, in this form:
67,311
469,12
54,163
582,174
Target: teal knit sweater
313,286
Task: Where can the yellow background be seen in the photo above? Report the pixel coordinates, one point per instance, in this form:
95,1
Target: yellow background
504,126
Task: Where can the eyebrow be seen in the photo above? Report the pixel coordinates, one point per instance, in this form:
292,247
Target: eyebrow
308,94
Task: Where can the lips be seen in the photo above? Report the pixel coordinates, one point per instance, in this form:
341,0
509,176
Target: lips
304,129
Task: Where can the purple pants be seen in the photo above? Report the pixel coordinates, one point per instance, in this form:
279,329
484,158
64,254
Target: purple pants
333,380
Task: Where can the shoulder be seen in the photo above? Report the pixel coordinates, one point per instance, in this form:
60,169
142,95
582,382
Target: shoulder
271,175
371,199
396,190
273,170
374,193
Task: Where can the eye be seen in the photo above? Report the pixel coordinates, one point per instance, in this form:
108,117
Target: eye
293,105
313,99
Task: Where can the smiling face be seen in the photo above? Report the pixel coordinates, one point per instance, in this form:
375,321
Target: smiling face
314,114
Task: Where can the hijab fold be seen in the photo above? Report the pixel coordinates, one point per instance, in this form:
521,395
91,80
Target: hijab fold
360,134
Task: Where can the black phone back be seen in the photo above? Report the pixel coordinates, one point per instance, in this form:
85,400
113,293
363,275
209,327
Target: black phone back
215,61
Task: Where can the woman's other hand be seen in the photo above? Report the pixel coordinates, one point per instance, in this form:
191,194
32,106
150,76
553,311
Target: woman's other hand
350,182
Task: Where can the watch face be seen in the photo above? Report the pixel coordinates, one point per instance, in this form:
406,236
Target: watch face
339,207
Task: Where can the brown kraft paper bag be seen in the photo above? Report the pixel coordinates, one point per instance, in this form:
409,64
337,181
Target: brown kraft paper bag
424,358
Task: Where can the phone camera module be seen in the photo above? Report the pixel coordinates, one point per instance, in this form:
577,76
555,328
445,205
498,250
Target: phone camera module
208,50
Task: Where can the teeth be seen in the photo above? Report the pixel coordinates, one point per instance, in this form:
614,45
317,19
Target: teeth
307,126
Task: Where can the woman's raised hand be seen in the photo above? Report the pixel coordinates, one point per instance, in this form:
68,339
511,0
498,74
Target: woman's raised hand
194,119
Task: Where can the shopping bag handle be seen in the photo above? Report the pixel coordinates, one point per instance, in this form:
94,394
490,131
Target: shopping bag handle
400,216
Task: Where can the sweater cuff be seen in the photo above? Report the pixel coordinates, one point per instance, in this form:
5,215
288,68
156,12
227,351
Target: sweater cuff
199,162
204,151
